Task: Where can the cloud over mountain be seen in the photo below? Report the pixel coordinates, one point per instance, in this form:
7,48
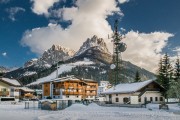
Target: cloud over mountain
88,18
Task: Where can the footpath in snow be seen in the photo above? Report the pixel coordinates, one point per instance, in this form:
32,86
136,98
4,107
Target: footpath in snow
90,112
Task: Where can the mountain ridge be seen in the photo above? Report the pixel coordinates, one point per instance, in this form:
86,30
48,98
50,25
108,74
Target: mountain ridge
93,48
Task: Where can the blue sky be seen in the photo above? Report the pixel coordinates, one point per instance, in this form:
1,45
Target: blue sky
143,20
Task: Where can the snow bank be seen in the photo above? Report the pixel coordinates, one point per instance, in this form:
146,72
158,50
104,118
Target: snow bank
90,112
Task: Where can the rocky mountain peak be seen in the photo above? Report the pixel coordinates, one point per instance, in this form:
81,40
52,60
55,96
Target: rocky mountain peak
96,42
51,56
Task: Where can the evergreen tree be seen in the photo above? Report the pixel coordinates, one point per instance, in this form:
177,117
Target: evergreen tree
137,77
177,70
165,73
174,91
160,75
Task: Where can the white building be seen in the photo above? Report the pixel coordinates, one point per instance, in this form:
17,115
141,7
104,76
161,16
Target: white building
104,85
8,88
135,93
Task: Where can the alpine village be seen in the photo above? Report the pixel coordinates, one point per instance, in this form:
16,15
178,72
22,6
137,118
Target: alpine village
93,77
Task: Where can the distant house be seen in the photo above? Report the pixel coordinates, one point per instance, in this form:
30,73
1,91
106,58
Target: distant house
25,92
8,88
12,89
71,88
103,86
135,93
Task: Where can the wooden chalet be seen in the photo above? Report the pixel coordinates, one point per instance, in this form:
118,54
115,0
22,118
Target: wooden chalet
71,88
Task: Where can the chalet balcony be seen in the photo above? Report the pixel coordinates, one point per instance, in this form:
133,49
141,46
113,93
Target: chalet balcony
91,88
72,93
4,93
90,94
75,87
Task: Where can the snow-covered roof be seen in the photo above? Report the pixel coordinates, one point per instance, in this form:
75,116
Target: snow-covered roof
128,87
69,78
13,82
26,89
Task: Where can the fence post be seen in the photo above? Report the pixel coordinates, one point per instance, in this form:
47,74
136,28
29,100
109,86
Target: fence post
26,105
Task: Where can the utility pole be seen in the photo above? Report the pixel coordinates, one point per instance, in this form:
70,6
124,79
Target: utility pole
57,71
118,48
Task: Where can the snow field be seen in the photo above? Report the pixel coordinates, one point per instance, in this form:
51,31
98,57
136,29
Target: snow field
91,112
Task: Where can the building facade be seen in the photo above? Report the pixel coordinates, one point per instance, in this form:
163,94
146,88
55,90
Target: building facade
8,88
135,93
71,88
103,86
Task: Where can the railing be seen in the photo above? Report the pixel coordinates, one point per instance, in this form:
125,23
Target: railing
91,89
4,93
73,93
71,86
89,94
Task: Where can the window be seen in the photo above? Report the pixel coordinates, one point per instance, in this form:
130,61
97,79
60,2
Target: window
161,98
77,96
139,99
156,98
3,89
151,99
125,100
117,99
116,94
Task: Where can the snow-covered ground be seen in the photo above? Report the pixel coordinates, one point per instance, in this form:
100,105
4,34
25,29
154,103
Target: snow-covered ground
91,112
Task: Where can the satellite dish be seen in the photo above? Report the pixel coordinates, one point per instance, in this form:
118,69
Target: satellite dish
113,66
122,47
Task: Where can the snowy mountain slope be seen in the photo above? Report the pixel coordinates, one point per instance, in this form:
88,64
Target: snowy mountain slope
93,49
61,69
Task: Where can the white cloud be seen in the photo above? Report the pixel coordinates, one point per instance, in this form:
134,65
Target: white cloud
88,19
177,50
13,11
41,6
4,54
144,49
123,1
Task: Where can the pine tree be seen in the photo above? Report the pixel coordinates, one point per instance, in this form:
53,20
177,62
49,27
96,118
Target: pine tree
165,73
160,75
137,77
175,83
177,70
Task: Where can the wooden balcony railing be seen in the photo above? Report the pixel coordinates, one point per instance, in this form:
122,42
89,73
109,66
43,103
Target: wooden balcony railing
4,93
90,94
72,93
91,88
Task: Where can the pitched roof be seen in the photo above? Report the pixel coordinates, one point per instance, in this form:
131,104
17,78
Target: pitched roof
128,87
68,78
12,82
26,89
